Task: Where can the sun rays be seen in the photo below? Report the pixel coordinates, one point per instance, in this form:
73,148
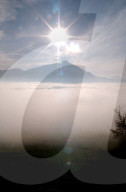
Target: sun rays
59,36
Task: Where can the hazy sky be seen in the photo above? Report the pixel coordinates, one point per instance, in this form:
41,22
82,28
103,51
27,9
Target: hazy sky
21,30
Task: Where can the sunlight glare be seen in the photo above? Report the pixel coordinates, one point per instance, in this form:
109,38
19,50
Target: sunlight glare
58,35
73,48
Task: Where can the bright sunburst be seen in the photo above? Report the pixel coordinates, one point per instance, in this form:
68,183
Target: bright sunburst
58,35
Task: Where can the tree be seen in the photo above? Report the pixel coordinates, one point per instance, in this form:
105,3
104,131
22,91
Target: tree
119,124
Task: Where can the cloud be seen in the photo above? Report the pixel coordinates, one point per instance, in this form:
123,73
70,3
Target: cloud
2,35
8,10
106,51
31,1
104,55
6,61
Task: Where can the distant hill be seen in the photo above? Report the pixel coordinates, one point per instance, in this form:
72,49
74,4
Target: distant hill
68,73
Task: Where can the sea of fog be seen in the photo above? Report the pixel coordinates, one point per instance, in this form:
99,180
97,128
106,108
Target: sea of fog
91,123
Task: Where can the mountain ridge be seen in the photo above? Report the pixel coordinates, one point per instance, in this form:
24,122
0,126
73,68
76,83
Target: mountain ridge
67,73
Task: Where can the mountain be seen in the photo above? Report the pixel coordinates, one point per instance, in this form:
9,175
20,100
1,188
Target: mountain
68,73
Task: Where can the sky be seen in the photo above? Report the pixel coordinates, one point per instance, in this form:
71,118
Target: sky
102,25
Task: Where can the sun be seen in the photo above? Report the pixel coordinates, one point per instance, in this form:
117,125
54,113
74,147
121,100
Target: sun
58,35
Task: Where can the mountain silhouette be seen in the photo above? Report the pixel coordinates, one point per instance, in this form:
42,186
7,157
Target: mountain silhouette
67,73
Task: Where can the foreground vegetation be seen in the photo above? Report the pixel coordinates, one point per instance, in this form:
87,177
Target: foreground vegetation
119,124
